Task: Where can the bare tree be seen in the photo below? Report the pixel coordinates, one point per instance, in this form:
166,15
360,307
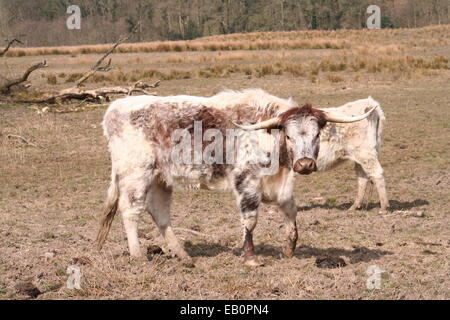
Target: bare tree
9,44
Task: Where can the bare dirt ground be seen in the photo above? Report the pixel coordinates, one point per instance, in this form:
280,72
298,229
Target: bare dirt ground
51,194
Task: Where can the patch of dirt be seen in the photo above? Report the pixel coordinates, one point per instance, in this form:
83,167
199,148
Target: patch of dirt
153,249
28,289
330,262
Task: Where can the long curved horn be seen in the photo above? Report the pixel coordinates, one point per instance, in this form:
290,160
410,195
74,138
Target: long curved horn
268,124
330,117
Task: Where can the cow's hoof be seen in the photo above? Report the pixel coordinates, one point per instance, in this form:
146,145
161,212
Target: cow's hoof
288,252
383,211
354,208
252,262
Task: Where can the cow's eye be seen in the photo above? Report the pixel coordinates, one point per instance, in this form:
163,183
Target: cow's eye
288,137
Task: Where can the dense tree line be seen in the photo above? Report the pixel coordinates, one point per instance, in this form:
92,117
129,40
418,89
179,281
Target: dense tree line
43,21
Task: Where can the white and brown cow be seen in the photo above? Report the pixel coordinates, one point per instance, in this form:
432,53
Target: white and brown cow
359,142
140,132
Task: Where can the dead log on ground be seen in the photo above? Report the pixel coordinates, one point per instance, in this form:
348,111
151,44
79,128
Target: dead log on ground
94,95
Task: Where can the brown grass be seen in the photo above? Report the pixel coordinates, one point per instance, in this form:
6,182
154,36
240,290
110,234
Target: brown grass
51,197
334,78
393,39
404,66
51,79
182,46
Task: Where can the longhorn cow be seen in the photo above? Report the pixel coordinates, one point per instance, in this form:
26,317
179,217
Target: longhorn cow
140,132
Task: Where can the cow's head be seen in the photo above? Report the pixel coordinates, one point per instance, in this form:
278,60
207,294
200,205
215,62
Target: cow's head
301,129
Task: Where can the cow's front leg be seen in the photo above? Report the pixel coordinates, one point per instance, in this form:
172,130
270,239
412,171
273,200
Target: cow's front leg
248,200
250,258
289,210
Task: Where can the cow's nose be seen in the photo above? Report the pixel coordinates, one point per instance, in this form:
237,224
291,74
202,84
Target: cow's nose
305,166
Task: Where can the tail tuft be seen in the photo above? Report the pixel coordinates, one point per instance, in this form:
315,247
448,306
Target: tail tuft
107,217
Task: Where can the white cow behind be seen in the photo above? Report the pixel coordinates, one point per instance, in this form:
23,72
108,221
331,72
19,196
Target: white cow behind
359,142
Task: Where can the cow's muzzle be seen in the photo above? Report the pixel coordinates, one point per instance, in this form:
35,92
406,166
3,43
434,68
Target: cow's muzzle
305,166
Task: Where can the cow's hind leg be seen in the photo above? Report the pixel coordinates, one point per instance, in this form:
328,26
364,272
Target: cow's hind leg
362,186
382,194
289,210
374,171
158,203
132,189
248,200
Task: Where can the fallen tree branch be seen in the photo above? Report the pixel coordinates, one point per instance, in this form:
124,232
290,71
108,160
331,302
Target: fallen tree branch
10,43
22,139
6,88
93,95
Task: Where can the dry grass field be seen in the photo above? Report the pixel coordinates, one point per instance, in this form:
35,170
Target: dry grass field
52,190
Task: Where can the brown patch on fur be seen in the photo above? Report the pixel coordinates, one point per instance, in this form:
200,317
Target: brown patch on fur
242,113
159,120
246,114
286,156
249,202
113,123
132,196
212,118
306,110
152,123
291,242
248,244
268,112
239,180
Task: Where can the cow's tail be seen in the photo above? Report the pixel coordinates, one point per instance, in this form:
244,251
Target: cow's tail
378,122
110,210
381,119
